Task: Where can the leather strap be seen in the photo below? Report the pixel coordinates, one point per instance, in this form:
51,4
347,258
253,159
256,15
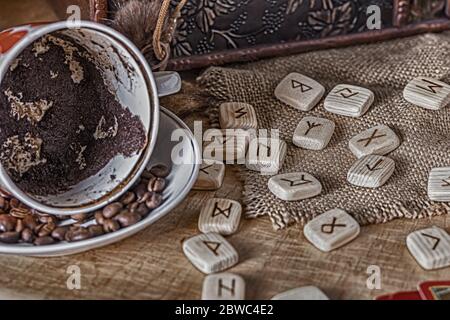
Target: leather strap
98,10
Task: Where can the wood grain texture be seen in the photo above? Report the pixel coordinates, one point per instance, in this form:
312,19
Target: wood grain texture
303,293
379,140
313,133
299,91
223,286
237,115
220,215
210,176
439,184
151,264
294,186
427,93
349,100
210,252
13,13
226,145
266,155
371,171
430,247
331,230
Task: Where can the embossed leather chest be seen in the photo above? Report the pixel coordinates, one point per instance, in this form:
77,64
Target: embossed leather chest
220,31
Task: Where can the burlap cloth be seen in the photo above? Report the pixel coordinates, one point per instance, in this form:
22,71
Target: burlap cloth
385,68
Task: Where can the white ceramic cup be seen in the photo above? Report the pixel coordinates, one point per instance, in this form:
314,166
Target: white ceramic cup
127,74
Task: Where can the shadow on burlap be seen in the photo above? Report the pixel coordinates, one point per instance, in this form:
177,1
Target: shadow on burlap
385,68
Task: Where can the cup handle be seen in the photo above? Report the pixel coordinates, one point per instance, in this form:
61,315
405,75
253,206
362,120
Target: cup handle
167,82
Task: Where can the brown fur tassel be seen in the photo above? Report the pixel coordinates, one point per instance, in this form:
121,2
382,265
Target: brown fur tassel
137,19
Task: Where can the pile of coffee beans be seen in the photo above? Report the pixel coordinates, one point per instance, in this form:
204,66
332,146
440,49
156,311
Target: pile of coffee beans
21,224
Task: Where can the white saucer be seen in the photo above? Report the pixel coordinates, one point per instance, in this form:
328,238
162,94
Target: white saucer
179,183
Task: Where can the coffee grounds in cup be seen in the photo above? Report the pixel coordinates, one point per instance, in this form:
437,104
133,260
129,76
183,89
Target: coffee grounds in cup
59,124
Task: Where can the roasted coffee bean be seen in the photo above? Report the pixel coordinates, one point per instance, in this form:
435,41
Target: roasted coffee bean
140,191
14,203
46,218
155,201
145,197
59,233
128,198
19,226
95,230
141,210
27,235
42,241
19,212
99,218
7,223
110,225
38,228
78,234
30,222
132,207
127,218
46,229
160,171
156,184
80,216
146,174
9,237
112,209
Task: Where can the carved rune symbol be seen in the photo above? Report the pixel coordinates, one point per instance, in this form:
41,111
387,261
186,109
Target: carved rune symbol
218,211
347,93
372,137
223,139
224,287
446,182
311,126
213,246
431,87
240,112
297,182
329,228
303,87
262,145
375,166
436,240
204,169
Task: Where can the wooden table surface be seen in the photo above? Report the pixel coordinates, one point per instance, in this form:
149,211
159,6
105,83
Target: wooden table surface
151,265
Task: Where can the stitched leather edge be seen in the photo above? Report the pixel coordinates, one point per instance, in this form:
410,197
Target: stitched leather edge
258,52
